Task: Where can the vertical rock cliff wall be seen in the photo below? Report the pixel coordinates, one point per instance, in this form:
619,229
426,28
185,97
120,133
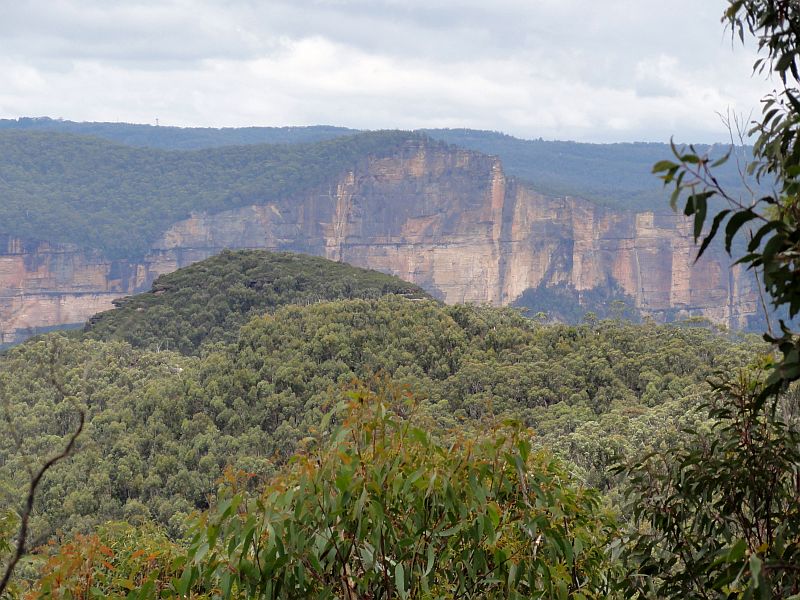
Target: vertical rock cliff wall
446,219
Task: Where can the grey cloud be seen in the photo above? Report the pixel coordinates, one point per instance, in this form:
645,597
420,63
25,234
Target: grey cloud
581,69
121,32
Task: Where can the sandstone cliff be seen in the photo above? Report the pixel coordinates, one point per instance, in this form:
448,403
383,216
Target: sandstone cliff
447,219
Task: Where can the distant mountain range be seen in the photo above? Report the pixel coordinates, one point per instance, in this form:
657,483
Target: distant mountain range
617,175
92,212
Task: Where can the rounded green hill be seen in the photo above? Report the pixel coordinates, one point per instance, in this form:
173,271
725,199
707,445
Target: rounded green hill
209,300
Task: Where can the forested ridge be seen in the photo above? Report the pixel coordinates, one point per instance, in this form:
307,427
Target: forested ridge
119,199
248,402
210,300
617,175
179,138
262,365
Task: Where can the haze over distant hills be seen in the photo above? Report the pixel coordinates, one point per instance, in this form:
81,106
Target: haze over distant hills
470,216
617,174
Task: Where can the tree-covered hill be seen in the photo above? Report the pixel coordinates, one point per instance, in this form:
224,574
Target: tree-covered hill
617,175
423,481
252,414
179,138
208,301
119,199
162,427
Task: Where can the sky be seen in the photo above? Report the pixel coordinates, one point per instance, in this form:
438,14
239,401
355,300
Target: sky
584,70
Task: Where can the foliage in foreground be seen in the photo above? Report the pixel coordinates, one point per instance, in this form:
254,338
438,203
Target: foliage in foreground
379,509
162,427
720,516
767,223
116,561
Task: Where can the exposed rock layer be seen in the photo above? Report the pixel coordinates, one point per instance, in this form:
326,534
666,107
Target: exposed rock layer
448,220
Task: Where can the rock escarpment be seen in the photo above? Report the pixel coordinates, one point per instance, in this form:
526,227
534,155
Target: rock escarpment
447,219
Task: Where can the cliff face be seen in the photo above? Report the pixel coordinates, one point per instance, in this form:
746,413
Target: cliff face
446,219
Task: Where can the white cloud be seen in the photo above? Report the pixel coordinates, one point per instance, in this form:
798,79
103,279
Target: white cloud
568,69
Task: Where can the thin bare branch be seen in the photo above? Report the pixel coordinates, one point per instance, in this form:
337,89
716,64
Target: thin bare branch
22,536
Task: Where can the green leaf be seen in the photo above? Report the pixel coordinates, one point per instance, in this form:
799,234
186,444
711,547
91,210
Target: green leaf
400,580
755,570
759,235
713,232
431,559
722,160
663,165
735,223
691,159
736,553
185,582
701,206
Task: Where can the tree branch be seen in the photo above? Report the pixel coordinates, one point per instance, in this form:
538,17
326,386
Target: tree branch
21,549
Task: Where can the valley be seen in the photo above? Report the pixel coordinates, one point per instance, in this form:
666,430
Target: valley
228,372
522,323
445,218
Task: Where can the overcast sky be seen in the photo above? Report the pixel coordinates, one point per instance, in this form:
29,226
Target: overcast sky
588,70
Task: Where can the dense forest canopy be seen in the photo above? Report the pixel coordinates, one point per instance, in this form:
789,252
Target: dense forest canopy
392,447
162,427
563,303
210,300
180,138
272,344
617,175
119,199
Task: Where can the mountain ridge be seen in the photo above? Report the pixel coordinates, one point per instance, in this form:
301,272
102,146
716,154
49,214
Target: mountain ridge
442,217
210,300
615,174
